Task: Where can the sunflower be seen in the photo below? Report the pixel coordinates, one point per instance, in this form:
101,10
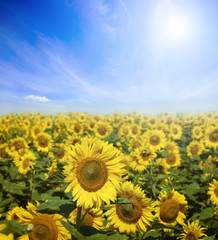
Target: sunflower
211,137
36,129
172,146
24,162
195,148
15,145
173,159
155,140
12,215
141,158
132,217
94,172
45,226
59,151
135,143
175,131
134,130
102,129
3,236
43,142
171,207
93,217
74,126
192,231
213,191
197,132
124,130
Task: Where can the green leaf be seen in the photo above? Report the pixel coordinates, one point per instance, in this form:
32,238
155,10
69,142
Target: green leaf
6,201
207,213
12,188
73,230
164,154
55,178
192,188
113,236
210,238
196,157
14,227
121,200
63,207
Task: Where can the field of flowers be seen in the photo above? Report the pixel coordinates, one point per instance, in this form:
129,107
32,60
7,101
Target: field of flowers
118,176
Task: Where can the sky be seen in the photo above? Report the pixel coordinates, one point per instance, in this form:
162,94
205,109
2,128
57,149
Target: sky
101,56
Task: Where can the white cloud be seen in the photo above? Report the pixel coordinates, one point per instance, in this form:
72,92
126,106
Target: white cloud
37,98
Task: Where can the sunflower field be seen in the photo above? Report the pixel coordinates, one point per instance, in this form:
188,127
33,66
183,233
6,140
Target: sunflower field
109,177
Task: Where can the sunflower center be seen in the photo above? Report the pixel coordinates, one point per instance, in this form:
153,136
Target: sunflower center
144,155
43,142
169,211
191,236
134,130
125,131
175,131
44,228
101,131
214,136
171,159
194,149
155,140
216,191
92,174
129,213
77,128
26,163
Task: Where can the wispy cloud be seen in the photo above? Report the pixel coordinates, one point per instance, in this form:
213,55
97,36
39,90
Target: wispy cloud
37,98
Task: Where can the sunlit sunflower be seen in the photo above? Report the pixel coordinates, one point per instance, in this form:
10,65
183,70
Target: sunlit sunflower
211,137
213,191
132,217
134,130
124,130
155,140
192,231
15,145
74,126
197,132
102,129
59,151
172,160
141,158
135,143
45,226
12,215
171,208
175,131
36,129
3,236
172,146
25,162
93,217
43,142
195,148
94,172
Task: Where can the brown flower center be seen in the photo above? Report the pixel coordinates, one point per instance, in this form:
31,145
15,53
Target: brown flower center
102,130
169,211
216,191
42,141
154,140
144,155
92,174
77,128
191,236
171,159
44,228
26,163
175,130
194,149
214,136
129,213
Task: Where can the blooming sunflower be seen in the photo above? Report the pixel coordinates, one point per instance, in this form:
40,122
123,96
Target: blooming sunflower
124,130
102,129
15,145
24,162
173,159
141,158
171,207
192,231
132,217
93,217
12,215
213,191
197,132
211,137
175,131
43,142
3,236
45,226
195,147
155,139
94,172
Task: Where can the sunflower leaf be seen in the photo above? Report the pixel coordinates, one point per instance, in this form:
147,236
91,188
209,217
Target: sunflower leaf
14,227
207,213
121,200
73,230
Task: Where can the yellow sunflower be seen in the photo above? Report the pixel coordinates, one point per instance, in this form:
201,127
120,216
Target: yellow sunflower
132,217
24,162
74,126
6,237
213,191
173,159
192,231
175,131
93,217
124,130
171,207
45,226
15,145
94,172
195,147
211,137
43,142
141,158
155,140
197,132
102,129
135,143
12,215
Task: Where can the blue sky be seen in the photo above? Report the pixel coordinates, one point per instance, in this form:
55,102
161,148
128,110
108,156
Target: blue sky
98,56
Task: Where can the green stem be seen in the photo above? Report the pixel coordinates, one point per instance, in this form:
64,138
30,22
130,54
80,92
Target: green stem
78,218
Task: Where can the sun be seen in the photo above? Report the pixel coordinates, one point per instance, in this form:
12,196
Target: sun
176,28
